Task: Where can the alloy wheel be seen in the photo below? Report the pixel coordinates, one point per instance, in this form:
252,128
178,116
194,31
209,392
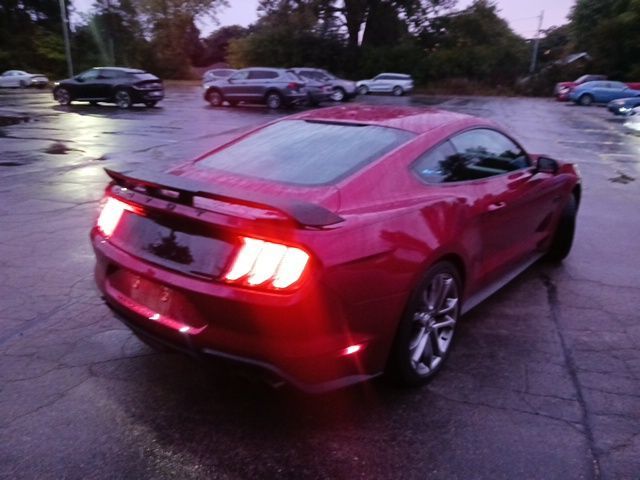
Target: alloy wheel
63,97
434,323
123,99
274,101
214,98
337,95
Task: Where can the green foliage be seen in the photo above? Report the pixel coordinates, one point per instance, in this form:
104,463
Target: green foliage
610,31
31,36
476,44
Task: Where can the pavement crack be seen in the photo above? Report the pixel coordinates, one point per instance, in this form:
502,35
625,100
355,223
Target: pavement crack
552,297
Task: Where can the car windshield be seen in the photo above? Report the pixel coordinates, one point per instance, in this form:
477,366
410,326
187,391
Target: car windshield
306,153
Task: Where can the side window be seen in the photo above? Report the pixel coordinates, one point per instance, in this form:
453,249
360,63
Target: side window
239,75
261,74
437,164
484,153
90,74
307,74
109,74
291,75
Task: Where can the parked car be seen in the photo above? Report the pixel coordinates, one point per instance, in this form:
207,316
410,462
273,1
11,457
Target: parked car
623,106
275,87
601,91
122,86
632,124
317,92
275,252
396,83
22,79
217,73
342,90
562,89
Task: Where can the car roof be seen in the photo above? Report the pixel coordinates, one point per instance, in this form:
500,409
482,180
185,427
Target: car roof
121,69
394,73
413,119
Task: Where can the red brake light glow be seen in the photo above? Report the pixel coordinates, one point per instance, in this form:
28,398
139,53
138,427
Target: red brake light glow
266,263
110,215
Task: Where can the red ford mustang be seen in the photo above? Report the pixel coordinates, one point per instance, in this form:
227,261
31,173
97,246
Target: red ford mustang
333,245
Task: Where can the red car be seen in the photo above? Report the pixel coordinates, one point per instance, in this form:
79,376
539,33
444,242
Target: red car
331,246
562,89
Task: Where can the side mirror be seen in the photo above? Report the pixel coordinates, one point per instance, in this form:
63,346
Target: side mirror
547,165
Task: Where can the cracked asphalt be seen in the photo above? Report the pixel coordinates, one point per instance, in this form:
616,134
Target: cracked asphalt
544,382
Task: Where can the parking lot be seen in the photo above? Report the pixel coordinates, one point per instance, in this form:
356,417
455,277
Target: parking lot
543,383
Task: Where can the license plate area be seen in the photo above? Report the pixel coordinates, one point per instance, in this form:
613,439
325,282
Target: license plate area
153,300
186,246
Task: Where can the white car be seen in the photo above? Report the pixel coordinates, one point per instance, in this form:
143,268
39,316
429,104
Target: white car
22,79
396,83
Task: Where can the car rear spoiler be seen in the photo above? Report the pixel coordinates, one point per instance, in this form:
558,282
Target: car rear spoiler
305,213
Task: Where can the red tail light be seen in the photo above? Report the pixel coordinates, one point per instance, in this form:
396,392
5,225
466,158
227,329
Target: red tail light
293,86
265,263
110,215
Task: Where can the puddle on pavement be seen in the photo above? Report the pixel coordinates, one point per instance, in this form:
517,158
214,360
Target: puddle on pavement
6,121
14,159
622,178
57,148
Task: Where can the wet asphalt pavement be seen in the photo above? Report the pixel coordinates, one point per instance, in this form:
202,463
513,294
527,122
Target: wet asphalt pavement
544,382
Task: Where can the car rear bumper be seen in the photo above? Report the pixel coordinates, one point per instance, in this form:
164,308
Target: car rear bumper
141,96
296,98
301,337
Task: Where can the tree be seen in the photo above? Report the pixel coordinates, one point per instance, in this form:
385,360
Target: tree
174,37
216,45
477,44
614,39
31,36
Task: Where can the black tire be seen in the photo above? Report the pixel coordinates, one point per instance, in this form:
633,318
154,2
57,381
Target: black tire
397,91
122,98
363,90
419,341
232,103
214,97
274,100
62,96
339,95
586,100
563,236
150,103
23,84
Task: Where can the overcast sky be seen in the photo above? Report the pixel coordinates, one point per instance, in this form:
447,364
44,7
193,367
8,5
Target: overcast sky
521,14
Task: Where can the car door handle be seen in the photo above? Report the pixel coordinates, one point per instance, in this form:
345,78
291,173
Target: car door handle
497,206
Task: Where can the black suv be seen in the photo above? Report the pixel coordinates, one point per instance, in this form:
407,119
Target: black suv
276,87
122,86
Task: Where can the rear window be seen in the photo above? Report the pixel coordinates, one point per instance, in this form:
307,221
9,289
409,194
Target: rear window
306,153
143,76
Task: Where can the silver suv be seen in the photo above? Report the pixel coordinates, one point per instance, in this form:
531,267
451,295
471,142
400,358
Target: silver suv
341,90
396,83
275,87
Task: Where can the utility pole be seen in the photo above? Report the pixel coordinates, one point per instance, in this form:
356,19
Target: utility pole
536,44
65,31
